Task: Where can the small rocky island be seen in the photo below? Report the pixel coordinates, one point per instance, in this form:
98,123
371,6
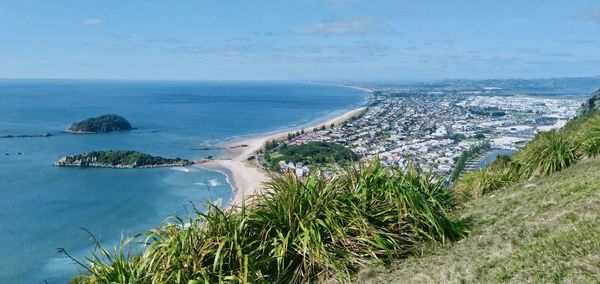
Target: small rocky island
119,160
101,124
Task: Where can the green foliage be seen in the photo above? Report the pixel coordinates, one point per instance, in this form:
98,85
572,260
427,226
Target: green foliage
457,137
592,105
544,231
487,111
465,156
501,173
479,136
101,124
272,144
314,153
590,136
549,152
382,135
117,158
295,232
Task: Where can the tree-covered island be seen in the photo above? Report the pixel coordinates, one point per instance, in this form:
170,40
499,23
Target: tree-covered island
101,124
119,160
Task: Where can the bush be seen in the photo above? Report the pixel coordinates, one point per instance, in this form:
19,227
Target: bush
589,136
465,156
501,173
549,152
313,153
295,232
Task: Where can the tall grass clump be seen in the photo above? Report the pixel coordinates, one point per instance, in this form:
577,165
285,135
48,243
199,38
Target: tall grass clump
589,136
547,153
213,247
296,231
503,172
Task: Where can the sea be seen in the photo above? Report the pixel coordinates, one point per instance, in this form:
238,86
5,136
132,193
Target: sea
43,208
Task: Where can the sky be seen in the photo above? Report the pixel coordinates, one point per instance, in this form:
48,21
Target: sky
326,40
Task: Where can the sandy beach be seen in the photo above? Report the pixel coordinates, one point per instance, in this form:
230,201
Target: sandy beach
247,177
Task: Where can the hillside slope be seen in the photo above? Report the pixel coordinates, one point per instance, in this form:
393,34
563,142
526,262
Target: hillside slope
543,230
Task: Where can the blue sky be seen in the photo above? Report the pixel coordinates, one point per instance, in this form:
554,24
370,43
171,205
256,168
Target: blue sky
351,40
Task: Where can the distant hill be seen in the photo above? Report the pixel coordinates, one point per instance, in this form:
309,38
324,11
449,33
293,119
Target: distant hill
101,124
556,86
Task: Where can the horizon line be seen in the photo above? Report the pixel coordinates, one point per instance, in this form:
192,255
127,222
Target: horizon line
297,80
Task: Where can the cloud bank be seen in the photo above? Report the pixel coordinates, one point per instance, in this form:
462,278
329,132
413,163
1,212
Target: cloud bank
592,16
93,22
355,26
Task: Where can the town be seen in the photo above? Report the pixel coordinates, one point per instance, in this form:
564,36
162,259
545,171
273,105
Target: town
432,128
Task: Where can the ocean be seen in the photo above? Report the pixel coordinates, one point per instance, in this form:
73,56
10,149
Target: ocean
43,208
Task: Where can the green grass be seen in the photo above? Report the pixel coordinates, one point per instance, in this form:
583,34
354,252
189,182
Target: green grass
549,152
295,232
499,174
533,218
544,230
590,137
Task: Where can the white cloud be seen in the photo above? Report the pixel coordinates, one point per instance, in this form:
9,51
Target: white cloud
93,22
341,1
356,26
593,16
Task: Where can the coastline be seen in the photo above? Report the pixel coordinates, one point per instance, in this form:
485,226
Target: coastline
246,177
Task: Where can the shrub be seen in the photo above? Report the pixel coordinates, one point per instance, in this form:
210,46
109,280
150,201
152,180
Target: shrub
503,172
465,156
295,232
549,152
589,135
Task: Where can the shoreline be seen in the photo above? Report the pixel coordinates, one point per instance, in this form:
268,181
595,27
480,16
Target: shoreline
246,177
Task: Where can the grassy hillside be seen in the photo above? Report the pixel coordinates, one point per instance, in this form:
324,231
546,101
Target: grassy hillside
296,231
534,217
543,230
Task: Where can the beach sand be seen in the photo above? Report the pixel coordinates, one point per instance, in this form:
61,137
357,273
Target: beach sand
247,177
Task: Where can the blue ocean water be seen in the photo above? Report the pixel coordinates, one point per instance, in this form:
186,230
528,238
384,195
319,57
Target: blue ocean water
43,207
